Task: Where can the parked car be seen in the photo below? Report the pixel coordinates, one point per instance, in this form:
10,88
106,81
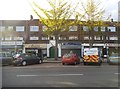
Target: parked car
114,58
26,59
70,59
6,58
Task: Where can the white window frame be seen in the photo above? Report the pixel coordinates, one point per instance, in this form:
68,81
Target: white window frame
2,28
34,28
73,28
73,37
111,29
19,28
85,28
34,38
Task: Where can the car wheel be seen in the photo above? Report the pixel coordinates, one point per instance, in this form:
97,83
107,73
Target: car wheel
40,61
24,63
84,63
63,63
75,63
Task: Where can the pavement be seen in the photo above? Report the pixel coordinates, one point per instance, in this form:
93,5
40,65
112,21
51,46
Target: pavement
52,60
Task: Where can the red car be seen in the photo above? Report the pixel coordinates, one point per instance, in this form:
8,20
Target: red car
70,59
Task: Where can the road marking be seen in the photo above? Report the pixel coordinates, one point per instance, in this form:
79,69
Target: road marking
117,73
52,75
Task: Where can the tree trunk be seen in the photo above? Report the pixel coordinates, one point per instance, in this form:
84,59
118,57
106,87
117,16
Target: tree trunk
56,47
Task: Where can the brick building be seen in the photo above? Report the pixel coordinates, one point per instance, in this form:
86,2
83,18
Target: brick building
28,36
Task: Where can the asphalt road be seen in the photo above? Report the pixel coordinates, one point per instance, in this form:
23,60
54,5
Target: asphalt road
58,75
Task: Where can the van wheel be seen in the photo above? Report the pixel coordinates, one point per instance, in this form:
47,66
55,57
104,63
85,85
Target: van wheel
24,63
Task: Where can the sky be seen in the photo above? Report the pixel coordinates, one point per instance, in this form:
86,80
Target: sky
21,9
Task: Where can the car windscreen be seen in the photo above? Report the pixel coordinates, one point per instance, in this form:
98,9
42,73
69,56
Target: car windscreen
67,55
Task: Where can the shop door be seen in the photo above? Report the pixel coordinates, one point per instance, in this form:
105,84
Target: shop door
52,52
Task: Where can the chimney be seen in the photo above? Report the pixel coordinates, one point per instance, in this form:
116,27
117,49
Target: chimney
31,17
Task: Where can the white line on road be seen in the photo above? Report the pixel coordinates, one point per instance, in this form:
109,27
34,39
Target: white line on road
52,75
117,73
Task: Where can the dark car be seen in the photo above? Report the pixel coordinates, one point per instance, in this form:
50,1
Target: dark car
6,58
70,59
114,58
26,59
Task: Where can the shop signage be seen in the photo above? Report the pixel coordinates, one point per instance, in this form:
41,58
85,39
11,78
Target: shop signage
35,45
71,45
11,43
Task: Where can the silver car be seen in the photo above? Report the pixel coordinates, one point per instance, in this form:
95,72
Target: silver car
114,58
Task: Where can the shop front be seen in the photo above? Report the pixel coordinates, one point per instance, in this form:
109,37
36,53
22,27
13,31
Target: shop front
37,49
75,47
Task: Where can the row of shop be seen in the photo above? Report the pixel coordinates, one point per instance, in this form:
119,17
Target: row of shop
47,50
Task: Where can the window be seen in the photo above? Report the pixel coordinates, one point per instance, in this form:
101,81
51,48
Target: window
96,29
18,38
19,28
73,37
34,28
2,28
111,29
73,28
86,38
113,38
45,38
103,29
96,37
85,28
44,28
10,28
34,38
8,38
62,38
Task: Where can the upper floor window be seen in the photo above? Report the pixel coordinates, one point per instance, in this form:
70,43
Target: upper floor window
97,37
19,28
113,38
10,28
34,28
45,38
2,28
44,28
34,38
96,29
73,37
111,29
62,38
103,29
85,28
18,38
73,28
8,38
86,38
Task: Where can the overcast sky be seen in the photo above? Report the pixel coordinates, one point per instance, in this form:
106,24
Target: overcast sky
21,10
